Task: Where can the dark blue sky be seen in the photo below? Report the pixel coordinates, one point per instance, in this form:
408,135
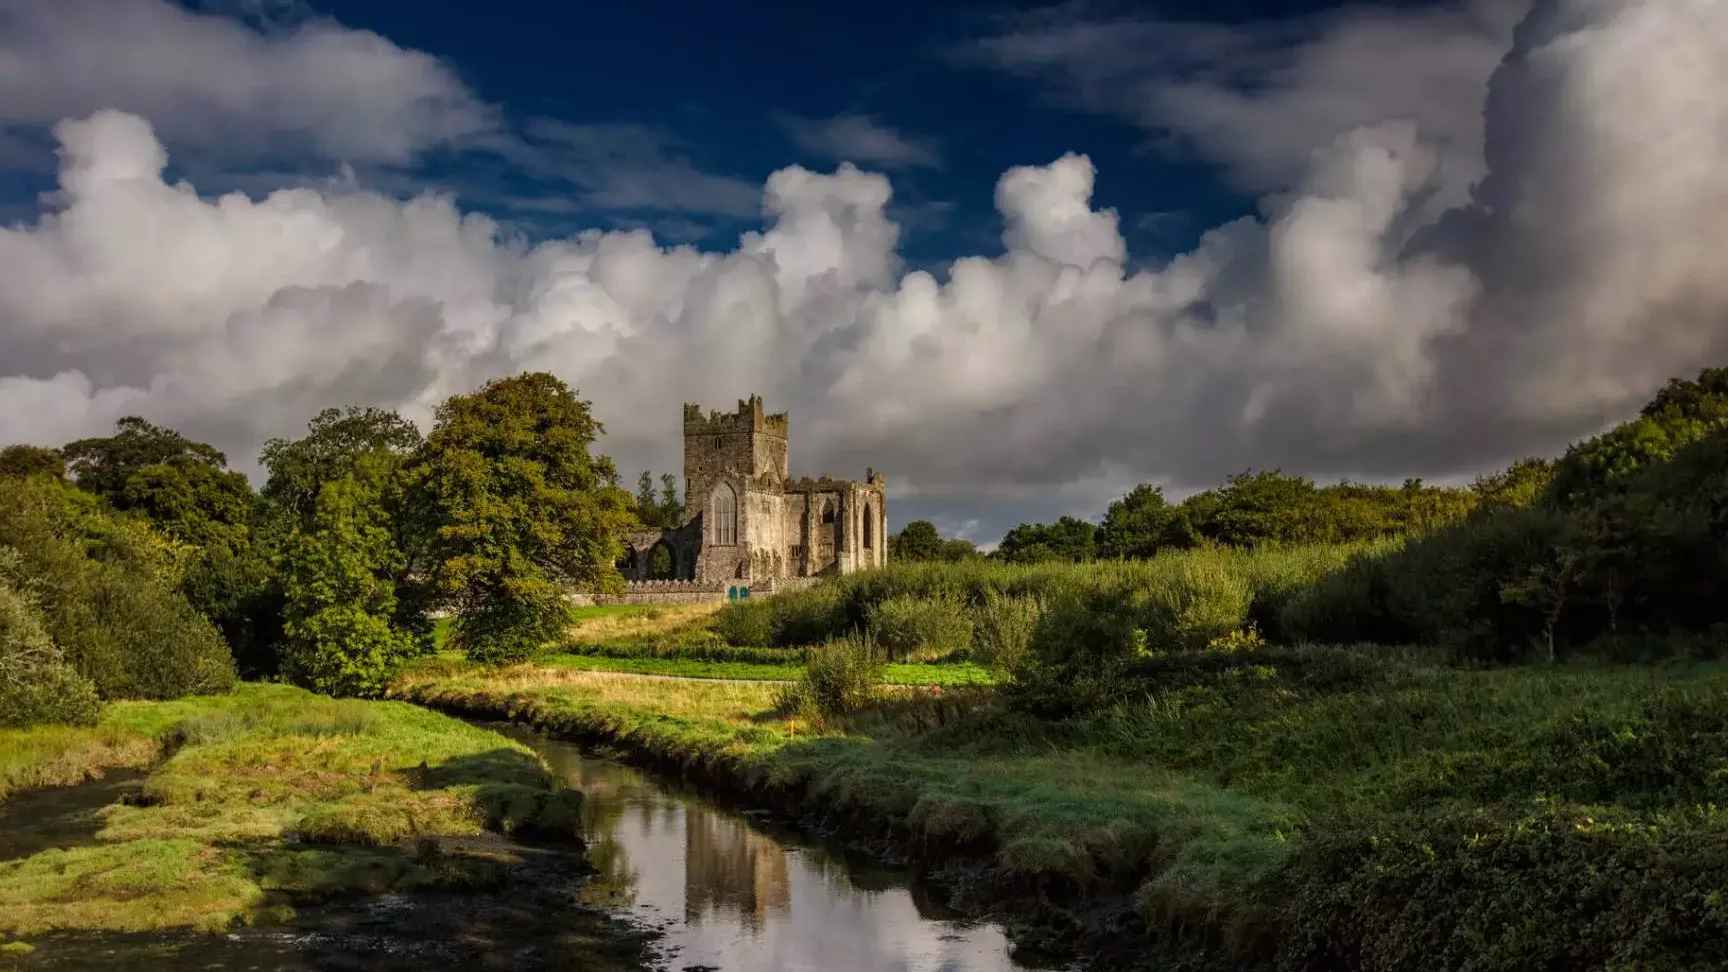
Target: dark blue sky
721,77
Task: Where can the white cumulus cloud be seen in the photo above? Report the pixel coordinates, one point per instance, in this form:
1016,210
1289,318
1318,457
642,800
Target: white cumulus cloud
1354,329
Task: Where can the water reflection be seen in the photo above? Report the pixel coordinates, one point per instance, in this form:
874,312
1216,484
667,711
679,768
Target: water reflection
732,896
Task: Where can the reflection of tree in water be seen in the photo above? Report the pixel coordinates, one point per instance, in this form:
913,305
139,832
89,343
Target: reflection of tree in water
838,875
731,869
605,801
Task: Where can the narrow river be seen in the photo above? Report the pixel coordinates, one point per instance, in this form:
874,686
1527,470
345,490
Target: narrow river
724,892
732,894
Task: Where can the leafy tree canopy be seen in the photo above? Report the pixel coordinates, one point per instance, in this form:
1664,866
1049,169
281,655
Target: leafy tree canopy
181,486
336,441
663,511
102,465
1139,524
917,540
29,460
1681,413
338,578
1069,538
524,511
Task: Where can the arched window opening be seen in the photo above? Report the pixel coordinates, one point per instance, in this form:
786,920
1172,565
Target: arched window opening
661,564
869,528
828,513
725,515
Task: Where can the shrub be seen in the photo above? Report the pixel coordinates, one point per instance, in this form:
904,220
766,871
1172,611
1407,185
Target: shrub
920,629
1190,600
36,684
343,650
1080,644
746,624
1002,630
125,630
840,677
810,616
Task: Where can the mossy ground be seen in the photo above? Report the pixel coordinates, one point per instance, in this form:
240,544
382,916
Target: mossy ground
1203,808
270,797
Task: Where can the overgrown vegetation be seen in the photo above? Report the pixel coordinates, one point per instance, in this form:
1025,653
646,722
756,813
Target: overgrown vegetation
101,587
37,686
1204,726
1274,808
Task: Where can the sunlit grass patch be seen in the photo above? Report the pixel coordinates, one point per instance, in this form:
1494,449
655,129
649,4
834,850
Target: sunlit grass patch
133,886
630,623
361,786
892,674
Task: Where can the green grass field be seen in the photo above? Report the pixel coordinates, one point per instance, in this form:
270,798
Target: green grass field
208,841
893,674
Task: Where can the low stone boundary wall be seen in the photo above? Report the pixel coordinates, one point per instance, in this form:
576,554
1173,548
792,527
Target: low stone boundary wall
668,592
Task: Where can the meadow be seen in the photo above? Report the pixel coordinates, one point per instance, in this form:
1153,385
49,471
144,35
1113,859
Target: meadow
1154,777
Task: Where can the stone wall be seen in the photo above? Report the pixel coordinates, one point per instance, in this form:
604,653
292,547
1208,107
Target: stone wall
664,593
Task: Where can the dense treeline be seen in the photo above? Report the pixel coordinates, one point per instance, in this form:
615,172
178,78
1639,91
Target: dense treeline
1250,509
138,565
1615,547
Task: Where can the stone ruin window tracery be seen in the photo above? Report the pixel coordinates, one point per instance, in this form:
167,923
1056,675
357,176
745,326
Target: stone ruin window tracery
725,516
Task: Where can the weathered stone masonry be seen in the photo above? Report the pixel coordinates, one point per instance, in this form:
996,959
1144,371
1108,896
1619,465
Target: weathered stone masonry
747,520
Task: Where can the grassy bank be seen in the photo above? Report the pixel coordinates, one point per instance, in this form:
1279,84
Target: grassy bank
263,799
892,674
1289,809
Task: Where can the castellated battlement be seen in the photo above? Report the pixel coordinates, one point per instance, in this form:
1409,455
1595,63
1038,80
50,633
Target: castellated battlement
750,417
674,586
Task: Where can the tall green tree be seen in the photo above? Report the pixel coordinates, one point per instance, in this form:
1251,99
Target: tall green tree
376,446
336,442
662,510
525,512
185,490
916,541
338,571
1683,412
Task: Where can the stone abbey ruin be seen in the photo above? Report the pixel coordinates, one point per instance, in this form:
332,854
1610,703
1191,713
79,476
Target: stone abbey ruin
748,525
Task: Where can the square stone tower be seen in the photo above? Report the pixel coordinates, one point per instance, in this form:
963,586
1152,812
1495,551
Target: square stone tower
734,466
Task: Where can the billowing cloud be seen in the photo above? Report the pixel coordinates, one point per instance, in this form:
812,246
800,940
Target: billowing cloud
1353,330
1260,98
310,86
863,140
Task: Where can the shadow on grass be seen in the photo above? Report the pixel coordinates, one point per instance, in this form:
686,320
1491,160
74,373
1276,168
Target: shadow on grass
61,816
438,904
499,766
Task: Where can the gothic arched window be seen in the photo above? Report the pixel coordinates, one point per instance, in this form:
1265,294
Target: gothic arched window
725,515
869,528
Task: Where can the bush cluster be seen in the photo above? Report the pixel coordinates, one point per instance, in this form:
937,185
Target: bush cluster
105,595
840,677
36,684
920,629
